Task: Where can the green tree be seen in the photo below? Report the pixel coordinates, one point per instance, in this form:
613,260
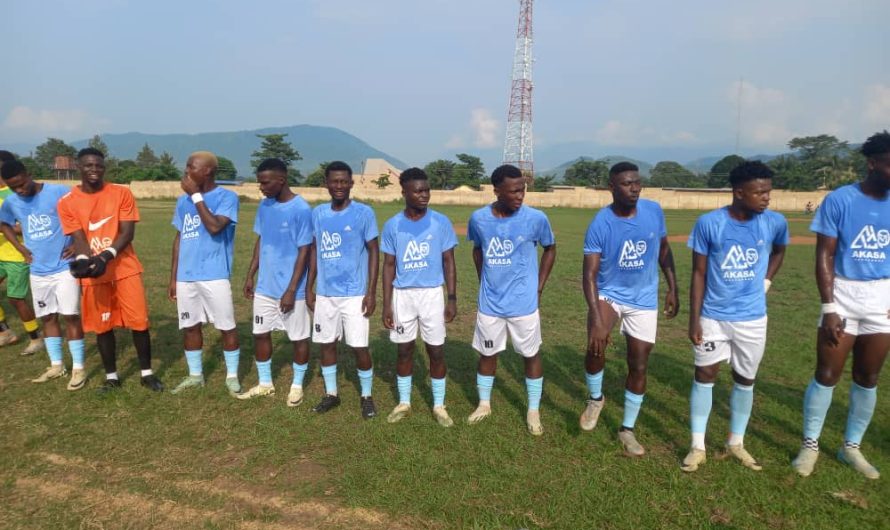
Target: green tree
225,169
316,178
791,174
441,174
275,146
718,176
146,157
46,153
587,173
543,183
469,171
670,174
166,159
34,168
382,181
96,142
825,158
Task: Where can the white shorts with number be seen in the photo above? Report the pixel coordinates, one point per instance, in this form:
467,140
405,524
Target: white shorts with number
55,293
865,305
205,301
490,336
340,316
638,323
741,344
267,317
423,306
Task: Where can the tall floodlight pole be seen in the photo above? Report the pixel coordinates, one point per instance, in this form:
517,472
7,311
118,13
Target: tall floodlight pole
518,143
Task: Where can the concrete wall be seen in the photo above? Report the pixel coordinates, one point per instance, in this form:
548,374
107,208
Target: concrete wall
572,198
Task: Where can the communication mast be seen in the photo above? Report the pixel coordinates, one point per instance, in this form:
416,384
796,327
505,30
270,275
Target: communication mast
518,143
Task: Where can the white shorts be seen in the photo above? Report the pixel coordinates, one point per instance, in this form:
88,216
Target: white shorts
55,293
341,316
422,305
864,304
205,301
267,317
739,343
490,336
638,323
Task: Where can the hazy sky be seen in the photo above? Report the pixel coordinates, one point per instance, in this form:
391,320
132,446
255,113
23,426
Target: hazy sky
416,78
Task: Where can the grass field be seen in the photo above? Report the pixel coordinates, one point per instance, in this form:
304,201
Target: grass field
205,460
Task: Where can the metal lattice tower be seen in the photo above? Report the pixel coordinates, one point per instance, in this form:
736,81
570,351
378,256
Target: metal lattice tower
518,143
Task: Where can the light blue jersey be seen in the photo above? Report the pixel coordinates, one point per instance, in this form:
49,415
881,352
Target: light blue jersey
283,228
41,229
628,249
509,285
341,254
418,247
861,225
203,256
738,256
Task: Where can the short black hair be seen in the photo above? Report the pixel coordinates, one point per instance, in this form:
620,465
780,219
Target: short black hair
506,171
412,173
6,156
272,164
749,170
87,151
621,167
12,168
877,144
337,165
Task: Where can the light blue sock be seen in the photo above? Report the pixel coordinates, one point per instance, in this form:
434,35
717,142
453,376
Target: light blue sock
404,385
329,373
632,404
484,383
700,406
595,384
299,373
741,401
232,358
816,401
54,349
264,372
76,348
438,392
862,406
366,380
533,388
193,358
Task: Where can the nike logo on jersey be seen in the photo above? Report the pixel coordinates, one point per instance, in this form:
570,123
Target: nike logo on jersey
99,224
632,255
869,244
738,263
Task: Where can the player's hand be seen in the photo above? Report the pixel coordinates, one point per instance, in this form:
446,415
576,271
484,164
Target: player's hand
450,310
310,299
99,263
695,332
29,258
671,304
171,290
288,300
68,252
188,185
79,267
597,339
833,328
369,304
248,288
388,321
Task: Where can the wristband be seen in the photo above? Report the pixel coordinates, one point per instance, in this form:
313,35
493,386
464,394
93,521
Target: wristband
766,284
197,197
452,297
81,256
112,250
830,307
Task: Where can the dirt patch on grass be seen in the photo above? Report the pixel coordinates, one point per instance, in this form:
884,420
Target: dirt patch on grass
460,229
795,240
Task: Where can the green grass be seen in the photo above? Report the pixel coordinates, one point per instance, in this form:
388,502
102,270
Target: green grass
205,460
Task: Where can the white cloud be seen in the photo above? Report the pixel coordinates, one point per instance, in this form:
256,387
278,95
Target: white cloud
486,128
765,114
25,120
618,133
457,141
877,105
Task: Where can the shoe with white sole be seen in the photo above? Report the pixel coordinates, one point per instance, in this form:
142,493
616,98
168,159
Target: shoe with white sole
295,396
78,379
695,458
853,457
399,413
36,345
55,371
442,417
629,441
482,411
743,456
257,391
191,381
7,337
591,413
533,422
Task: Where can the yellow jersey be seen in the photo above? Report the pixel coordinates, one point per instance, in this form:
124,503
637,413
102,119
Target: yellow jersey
7,251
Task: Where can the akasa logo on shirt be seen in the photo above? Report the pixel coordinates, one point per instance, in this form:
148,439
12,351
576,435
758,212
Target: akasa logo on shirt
39,226
190,224
632,255
739,263
869,244
498,252
97,244
330,242
415,255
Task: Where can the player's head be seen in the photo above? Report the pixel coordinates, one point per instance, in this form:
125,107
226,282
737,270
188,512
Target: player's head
509,186
201,167
752,182
415,188
15,175
271,175
877,154
338,180
91,163
6,156
625,184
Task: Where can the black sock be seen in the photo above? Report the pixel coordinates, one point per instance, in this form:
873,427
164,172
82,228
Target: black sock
3,325
34,334
142,342
107,346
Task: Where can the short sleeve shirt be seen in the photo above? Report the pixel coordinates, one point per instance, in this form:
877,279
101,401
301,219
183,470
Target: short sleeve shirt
341,253
417,247
283,228
204,256
41,228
